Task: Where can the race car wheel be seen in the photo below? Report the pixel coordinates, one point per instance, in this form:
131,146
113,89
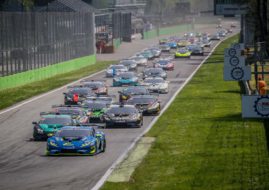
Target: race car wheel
104,146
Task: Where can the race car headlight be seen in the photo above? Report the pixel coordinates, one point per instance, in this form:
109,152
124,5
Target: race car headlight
39,130
109,71
69,98
88,143
163,74
116,79
52,143
106,117
153,106
135,117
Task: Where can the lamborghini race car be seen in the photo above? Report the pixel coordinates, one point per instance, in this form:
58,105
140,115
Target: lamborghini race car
95,110
140,60
76,94
98,87
113,70
165,64
76,112
147,104
130,91
154,72
123,115
125,79
183,43
72,140
172,45
108,100
195,49
156,85
165,48
183,53
130,64
50,123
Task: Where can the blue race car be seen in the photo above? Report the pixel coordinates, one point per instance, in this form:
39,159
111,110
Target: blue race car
172,45
73,140
125,79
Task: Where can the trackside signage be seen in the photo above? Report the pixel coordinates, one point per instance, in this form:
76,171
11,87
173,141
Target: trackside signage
255,106
228,7
235,68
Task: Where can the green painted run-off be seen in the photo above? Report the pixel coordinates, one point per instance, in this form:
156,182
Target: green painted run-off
167,31
45,72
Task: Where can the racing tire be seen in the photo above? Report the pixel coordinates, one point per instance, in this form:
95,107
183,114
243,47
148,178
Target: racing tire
104,146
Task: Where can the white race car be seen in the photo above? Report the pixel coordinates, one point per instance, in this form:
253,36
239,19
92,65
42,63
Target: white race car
156,84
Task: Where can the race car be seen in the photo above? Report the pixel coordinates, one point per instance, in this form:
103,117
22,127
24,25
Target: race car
50,123
147,104
125,79
215,37
95,110
155,51
207,43
183,43
76,94
146,54
154,72
123,115
108,100
130,91
130,64
140,60
172,45
163,41
113,70
76,112
165,64
165,48
80,140
195,49
183,53
98,87
222,33
156,85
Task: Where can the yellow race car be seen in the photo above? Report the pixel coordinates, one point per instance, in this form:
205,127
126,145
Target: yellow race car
183,53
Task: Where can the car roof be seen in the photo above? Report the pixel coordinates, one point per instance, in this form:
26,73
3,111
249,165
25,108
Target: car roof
56,116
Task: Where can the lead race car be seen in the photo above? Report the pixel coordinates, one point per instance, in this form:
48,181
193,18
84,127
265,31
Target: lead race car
74,140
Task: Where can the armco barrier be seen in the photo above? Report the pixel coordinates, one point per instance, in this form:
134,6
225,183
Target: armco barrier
167,31
27,77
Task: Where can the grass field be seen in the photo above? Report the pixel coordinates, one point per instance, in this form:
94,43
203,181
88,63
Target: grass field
11,96
202,143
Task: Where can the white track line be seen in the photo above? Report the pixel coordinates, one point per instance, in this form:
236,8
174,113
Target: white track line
102,180
46,94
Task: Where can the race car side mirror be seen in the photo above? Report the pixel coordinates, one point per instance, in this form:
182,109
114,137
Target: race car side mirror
34,122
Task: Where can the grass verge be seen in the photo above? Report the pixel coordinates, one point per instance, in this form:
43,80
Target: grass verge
11,96
202,143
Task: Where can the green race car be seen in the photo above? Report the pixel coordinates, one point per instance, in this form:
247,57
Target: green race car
50,123
95,110
182,53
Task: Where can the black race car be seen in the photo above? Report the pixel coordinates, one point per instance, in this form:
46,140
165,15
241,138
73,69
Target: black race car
76,94
126,93
147,104
154,72
123,115
98,87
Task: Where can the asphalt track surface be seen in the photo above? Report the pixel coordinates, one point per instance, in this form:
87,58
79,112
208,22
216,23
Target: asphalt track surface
23,164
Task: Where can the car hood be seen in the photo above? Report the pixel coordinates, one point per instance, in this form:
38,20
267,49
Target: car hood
48,128
67,142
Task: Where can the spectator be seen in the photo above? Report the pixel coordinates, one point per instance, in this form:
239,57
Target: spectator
262,86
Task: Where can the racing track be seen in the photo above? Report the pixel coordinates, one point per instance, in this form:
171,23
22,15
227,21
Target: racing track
23,164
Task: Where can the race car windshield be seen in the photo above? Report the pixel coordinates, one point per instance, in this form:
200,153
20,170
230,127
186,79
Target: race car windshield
126,75
159,80
164,46
94,106
122,110
135,90
141,100
154,70
127,62
101,99
74,133
69,111
56,120
81,91
182,50
163,62
117,67
93,84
